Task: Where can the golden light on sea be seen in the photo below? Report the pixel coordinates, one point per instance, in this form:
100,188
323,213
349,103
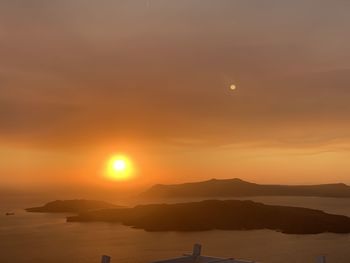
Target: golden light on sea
119,168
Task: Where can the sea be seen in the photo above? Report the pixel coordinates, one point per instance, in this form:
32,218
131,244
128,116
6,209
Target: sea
39,238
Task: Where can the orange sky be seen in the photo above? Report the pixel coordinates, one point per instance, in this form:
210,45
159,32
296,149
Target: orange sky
82,80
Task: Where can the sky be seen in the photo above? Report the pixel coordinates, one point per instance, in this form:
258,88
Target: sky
83,80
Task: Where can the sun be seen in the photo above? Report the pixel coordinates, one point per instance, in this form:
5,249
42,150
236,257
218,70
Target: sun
119,165
119,168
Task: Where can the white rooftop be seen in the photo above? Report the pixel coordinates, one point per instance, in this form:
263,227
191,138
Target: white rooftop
196,257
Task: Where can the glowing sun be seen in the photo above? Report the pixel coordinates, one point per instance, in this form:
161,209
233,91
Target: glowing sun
119,167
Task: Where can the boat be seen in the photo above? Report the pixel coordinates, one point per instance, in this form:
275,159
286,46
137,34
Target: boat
10,214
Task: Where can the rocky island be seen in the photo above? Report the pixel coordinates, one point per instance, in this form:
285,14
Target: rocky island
71,206
238,188
221,215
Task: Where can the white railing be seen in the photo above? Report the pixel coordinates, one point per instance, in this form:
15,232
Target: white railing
196,254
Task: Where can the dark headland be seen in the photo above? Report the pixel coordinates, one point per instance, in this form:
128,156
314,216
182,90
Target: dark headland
221,215
71,206
239,188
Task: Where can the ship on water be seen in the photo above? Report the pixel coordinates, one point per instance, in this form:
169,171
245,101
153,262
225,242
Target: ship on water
10,214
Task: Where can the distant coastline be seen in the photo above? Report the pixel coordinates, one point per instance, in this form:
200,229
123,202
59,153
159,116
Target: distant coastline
238,188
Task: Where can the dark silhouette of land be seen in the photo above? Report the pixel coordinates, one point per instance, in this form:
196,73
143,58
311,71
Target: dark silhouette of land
71,206
222,215
239,188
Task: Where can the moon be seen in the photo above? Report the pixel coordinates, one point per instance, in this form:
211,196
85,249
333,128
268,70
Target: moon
233,87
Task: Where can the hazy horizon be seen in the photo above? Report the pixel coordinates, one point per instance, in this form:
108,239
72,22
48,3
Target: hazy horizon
81,81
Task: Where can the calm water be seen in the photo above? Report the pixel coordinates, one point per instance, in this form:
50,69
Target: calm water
37,238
